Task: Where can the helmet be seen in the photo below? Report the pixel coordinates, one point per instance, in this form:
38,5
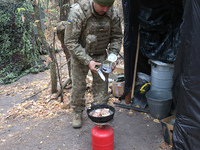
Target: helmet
104,2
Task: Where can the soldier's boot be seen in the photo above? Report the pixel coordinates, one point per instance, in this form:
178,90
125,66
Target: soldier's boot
77,120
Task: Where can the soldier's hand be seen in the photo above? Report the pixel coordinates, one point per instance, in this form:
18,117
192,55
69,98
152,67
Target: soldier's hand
114,65
92,65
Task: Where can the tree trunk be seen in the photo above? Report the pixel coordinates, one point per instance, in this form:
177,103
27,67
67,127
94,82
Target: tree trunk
53,78
64,10
47,47
53,68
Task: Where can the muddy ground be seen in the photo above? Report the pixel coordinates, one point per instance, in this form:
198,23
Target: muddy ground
24,128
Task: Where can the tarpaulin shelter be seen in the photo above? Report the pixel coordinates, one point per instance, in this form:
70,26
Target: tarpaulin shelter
170,32
186,87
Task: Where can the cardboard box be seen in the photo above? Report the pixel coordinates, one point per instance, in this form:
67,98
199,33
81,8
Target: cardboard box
119,69
167,128
117,88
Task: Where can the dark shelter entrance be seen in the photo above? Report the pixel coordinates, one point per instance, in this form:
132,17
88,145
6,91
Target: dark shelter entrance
169,32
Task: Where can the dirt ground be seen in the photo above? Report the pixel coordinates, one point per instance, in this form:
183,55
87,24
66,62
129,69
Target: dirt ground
31,120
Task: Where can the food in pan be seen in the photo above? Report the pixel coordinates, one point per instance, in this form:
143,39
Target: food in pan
101,112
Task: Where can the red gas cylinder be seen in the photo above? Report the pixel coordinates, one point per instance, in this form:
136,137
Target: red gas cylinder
102,137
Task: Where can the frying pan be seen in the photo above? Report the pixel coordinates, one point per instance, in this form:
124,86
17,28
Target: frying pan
101,119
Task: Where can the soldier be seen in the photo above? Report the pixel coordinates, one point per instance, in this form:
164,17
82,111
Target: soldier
92,28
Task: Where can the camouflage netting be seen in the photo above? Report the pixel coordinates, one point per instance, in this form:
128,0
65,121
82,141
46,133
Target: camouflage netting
19,49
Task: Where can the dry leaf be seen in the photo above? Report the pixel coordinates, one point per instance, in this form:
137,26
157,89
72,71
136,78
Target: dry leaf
9,125
165,146
65,106
156,121
130,112
48,60
120,110
23,18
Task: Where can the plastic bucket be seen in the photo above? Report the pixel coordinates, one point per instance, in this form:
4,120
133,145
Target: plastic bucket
159,103
161,75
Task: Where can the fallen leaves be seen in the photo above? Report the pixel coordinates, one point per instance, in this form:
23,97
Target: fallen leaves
130,112
164,146
113,99
27,128
65,105
9,125
32,109
156,121
3,140
44,106
146,116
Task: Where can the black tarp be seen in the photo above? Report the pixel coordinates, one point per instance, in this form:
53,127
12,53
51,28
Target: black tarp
131,10
164,46
160,26
186,89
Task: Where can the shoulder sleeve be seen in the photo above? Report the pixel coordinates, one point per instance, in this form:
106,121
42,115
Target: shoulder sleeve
116,32
72,34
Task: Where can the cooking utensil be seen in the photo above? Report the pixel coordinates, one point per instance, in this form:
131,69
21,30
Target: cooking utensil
100,73
101,119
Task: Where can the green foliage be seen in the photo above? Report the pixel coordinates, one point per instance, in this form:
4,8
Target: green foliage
19,49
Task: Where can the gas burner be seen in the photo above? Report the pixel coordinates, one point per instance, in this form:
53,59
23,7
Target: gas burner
103,124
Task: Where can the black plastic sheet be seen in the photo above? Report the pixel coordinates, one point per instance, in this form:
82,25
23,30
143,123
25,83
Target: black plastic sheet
131,11
186,88
165,49
160,25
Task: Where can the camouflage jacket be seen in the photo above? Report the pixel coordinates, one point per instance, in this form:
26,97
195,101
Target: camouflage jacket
84,23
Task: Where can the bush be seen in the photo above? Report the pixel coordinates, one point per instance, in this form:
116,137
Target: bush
19,47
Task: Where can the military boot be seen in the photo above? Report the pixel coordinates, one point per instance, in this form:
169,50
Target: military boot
77,120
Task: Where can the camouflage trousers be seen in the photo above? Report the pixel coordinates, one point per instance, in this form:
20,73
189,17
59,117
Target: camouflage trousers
99,87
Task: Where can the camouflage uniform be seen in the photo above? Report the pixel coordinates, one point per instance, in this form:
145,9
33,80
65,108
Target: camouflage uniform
87,36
